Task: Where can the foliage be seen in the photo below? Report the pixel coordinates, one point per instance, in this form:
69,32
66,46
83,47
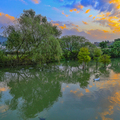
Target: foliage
103,44
83,55
91,48
71,45
47,51
97,53
118,39
105,59
107,51
115,49
32,32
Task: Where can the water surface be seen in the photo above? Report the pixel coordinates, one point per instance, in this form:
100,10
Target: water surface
61,92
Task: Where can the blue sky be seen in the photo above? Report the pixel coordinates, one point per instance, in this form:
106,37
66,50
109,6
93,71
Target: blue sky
97,20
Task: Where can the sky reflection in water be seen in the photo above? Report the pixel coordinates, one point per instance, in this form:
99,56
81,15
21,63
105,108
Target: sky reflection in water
61,92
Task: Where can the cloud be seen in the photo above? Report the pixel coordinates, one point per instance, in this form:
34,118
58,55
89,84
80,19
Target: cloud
105,31
72,5
74,9
6,19
56,9
116,2
107,20
23,2
65,25
92,35
90,15
36,1
85,23
65,14
87,11
59,24
47,5
100,5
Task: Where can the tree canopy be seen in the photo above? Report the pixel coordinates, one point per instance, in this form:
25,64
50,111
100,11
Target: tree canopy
31,32
83,55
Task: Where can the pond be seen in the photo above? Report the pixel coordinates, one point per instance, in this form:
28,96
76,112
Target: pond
61,92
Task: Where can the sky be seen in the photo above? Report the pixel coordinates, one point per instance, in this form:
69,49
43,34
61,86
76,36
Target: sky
96,20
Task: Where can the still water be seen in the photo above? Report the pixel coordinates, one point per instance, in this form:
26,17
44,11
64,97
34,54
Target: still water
61,92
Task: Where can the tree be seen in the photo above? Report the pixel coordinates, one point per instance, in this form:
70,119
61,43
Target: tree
83,56
115,49
97,53
47,51
105,59
118,39
91,48
103,44
29,32
71,45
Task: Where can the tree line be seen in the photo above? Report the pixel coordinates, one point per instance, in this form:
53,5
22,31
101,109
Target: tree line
36,41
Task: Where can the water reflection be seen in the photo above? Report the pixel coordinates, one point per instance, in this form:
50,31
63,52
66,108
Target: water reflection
64,88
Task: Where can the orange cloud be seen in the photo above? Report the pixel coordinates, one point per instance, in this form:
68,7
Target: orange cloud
74,25
85,23
80,6
63,27
87,11
56,24
78,12
90,15
111,21
74,9
116,2
6,19
76,29
36,1
10,17
1,14
77,8
105,31
94,17
99,34
65,14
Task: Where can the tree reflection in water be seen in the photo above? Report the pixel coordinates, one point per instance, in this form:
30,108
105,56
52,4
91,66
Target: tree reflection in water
38,91
34,90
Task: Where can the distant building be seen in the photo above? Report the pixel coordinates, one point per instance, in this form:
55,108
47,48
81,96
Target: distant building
109,43
96,43
2,40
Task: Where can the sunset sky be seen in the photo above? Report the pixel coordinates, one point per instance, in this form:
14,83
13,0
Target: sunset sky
97,20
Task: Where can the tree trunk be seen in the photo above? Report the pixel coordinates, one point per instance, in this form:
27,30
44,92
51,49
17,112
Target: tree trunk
17,57
83,65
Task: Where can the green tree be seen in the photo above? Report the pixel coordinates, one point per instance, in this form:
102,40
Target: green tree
118,39
97,53
91,48
103,44
31,32
115,49
47,51
83,56
71,45
105,59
